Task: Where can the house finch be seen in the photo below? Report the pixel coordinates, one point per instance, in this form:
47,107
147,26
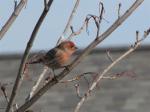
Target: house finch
58,56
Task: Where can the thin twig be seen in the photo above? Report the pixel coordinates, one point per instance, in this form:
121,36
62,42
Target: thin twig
3,88
109,56
37,83
71,17
77,90
119,9
101,11
137,36
85,24
15,4
12,18
25,56
69,21
77,32
77,78
101,75
103,36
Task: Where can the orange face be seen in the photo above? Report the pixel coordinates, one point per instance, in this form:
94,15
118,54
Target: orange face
68,46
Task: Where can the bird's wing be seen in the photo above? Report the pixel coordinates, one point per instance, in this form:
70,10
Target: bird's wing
52,57
51,53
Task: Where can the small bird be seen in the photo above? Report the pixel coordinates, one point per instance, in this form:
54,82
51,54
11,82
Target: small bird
58,56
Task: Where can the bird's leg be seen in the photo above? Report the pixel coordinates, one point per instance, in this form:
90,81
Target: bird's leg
55,77
66,67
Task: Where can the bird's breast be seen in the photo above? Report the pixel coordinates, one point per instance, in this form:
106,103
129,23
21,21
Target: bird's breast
64,58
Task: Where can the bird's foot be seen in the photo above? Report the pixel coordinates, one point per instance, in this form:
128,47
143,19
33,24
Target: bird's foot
67,67
55,78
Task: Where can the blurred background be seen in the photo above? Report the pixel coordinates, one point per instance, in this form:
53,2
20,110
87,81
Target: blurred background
125,94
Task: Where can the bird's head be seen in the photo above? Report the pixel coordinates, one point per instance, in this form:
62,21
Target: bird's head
68,46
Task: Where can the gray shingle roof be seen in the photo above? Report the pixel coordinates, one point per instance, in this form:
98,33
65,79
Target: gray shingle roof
120,95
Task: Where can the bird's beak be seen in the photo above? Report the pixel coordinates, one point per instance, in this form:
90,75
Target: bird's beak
76,48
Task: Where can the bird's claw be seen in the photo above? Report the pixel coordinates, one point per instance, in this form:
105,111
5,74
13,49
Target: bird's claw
55,78
67,67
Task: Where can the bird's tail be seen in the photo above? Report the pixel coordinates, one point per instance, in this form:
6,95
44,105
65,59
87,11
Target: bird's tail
33,62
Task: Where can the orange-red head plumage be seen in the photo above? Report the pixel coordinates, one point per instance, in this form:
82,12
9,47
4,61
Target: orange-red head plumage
68,46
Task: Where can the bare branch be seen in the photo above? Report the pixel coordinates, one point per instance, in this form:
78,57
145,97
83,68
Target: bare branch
61,39
25,56
98,40
101,75
96,19
69,21
71,17
77,32
78,77
12,18
35,87
130,74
